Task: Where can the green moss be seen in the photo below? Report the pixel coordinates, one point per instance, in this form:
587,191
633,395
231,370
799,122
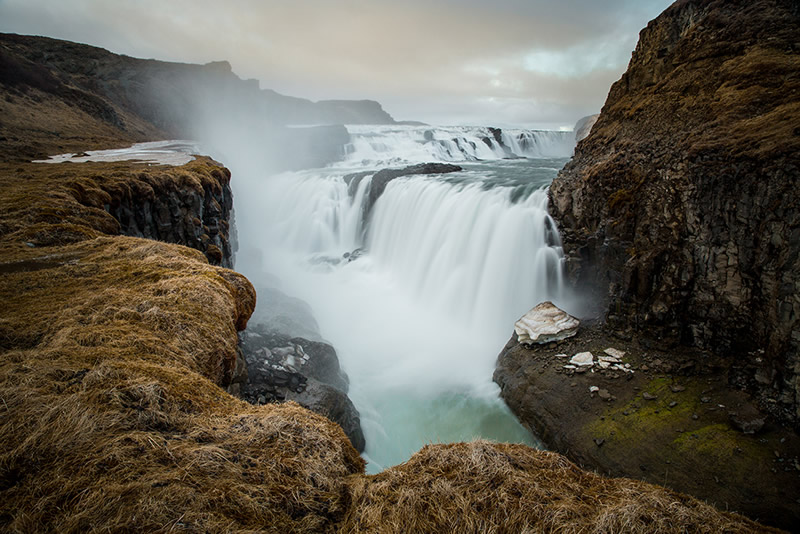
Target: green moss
645,417
720,442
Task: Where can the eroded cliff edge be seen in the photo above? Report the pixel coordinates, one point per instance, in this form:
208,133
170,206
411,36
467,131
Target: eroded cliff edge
680,211
680,218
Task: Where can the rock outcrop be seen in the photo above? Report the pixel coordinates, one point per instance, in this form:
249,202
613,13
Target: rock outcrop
382,178
584,126
282,368
192,212
680,212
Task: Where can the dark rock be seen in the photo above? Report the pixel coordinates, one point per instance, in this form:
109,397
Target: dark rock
281,368
381,178
184,216
747,419
334,404
649,396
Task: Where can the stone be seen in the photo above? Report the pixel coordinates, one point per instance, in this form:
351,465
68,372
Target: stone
582,359
747,419
604,394
544,323
615,353
592,389
649,396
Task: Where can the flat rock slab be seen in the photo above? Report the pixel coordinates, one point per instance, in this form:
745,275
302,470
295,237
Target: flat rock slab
545,323
583,359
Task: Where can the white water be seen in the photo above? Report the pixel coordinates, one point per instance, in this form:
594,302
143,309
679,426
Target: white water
451,262
385,145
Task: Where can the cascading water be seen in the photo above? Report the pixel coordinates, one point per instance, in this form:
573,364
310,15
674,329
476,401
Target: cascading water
449,262
403,144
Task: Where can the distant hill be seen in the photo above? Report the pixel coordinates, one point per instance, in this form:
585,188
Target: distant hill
59,95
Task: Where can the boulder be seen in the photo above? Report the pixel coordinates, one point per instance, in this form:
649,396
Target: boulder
545,323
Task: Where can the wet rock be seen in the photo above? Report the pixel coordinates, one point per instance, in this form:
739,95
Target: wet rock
281,368
334,404
544,323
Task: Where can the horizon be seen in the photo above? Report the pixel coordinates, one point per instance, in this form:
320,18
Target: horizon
512,64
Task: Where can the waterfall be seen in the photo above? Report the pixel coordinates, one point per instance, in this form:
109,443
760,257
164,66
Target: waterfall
471,252
386,145
447,263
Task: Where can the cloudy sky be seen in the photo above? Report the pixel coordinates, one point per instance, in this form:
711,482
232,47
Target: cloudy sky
541,63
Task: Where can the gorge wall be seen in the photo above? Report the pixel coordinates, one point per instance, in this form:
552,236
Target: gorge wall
680,212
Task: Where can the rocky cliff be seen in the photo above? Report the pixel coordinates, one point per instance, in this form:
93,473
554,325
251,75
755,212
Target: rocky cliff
680,212
194,210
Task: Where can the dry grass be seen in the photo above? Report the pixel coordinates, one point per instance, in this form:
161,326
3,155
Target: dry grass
498,488
111,415
114,349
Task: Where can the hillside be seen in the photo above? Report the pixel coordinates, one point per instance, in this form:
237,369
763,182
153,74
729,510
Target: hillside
62,96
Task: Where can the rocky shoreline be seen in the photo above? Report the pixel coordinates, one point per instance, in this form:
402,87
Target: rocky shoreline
668,417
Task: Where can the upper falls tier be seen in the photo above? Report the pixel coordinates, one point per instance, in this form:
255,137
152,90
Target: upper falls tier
393,144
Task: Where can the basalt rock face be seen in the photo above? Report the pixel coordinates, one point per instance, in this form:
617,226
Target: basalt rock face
197,217
680,211
382,178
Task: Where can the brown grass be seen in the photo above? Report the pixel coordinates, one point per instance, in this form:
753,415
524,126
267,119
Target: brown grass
499,488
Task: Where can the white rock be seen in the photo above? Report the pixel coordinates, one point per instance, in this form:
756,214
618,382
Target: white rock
614,353
603,364
592,389
607,359
561,355
570,367
544,323
582,358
